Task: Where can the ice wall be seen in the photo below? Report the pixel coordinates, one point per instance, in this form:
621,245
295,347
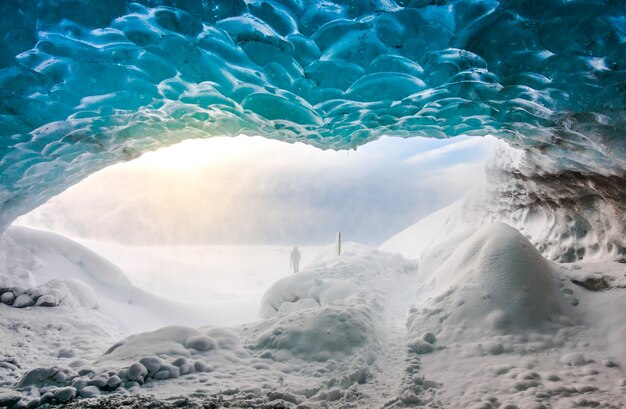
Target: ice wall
86,83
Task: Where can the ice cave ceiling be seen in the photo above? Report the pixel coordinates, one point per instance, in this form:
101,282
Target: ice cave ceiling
86,83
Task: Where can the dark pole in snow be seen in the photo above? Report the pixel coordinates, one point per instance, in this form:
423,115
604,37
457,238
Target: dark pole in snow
339,243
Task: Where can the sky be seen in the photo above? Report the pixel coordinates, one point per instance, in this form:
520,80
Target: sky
253,190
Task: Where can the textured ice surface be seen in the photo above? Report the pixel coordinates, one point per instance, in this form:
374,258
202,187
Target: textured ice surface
567,216
84,83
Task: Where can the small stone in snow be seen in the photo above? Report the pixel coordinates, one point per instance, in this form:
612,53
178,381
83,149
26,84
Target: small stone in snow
89,392
421,347
162,375
610,364
7,298
113,383
137,372
429,337
99,380
64,394
152,364
47,300
23,300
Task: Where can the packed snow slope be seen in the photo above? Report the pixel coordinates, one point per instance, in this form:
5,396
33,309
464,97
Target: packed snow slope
86,83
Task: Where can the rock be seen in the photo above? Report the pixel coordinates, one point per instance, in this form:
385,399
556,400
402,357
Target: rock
37,376
17,291
429,337
7,298
33,403
123,374
89,392
137,372
23,301
600,283
100,380
86,372
421,347
46,398
79,383
9,398
152,364
610,364
47,300
113,383
66,353
162,375
183,365
201,366
65,394
174,371
36,292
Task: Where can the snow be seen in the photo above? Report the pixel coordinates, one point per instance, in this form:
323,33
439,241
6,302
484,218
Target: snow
227,276
512,325
482,319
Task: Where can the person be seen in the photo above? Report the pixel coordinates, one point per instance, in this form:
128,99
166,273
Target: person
294,261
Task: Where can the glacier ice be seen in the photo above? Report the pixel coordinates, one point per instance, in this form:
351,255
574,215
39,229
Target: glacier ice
84,83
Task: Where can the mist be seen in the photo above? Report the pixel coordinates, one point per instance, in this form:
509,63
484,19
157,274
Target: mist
252,190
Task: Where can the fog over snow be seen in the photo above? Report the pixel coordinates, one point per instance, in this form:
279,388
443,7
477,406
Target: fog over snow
251,190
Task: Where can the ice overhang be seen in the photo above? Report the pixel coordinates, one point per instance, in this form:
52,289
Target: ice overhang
86,83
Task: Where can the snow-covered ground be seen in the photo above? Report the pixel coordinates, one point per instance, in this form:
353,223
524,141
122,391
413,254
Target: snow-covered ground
480,320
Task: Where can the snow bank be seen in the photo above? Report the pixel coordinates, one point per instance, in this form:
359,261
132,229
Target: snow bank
497,279
519,330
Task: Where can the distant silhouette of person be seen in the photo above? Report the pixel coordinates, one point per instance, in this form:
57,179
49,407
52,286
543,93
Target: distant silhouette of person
294,260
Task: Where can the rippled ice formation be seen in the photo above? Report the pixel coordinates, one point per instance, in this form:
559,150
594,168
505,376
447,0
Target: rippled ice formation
84,84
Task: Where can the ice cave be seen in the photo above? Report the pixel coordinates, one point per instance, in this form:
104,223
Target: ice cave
511,297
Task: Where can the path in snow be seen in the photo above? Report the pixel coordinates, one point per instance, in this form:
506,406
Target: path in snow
391,365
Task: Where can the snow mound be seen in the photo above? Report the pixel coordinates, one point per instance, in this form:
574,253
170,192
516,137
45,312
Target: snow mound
333,308
305,291
497,281
172,342
518,330
445,224
319,333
